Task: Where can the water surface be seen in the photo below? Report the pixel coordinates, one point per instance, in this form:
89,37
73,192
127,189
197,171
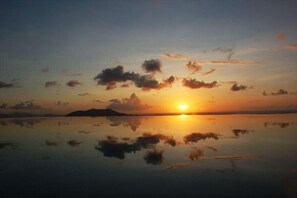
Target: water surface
161,156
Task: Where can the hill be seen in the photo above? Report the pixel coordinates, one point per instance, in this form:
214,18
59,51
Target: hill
96,112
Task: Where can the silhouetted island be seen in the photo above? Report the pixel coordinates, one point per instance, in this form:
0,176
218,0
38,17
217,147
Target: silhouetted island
96,112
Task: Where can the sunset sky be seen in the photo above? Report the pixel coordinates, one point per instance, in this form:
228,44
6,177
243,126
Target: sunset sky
148,56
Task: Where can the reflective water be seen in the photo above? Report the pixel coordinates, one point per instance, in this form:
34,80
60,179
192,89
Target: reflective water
165,156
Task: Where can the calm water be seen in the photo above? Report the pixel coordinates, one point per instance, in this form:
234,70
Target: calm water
166,156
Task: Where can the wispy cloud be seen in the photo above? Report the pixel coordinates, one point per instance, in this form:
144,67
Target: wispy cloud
27,105
171,56
228,51
208,72
291,47
44,70
69,73
279,92
48,84
280,37
84,94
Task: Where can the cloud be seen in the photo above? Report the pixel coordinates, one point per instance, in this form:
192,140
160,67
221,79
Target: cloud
173,56
7,85
291,47
193,66
28,105
178,165
279,92
50,143
74,143
131,121
3,106
8,144
208,72
280,124
212,148
229,51
195,154
237,87
84,94
236,157
111,76
68,73
112,147
59,103
233,61
195,137
99,101
73,83
51,84
237,132
153,157
280,37
152,66
127,104
195,84
44,70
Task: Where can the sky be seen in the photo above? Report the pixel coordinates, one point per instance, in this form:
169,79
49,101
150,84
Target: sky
148,56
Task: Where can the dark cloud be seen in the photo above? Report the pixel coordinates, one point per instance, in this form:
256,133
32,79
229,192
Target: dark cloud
112,147
3,106
51,84
173,56
84,94
153,157
111,76
237,87
7,85
195,137
208,72
74,143
125,85
50,143
195,154
7,145
280,37
195,84
193,66
44,70
212,148
127,104
237,132
279,92
28,105
73,83
236,157
152,66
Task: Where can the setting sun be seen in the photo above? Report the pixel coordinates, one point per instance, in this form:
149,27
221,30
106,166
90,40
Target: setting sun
183,107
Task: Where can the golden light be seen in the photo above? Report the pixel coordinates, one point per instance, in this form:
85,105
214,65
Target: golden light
183,107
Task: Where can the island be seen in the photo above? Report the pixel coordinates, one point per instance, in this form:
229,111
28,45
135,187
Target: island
97,112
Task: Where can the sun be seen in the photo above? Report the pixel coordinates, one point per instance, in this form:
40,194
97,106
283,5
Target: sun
183,107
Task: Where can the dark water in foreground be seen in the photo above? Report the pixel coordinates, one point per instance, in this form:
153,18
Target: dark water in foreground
166,156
